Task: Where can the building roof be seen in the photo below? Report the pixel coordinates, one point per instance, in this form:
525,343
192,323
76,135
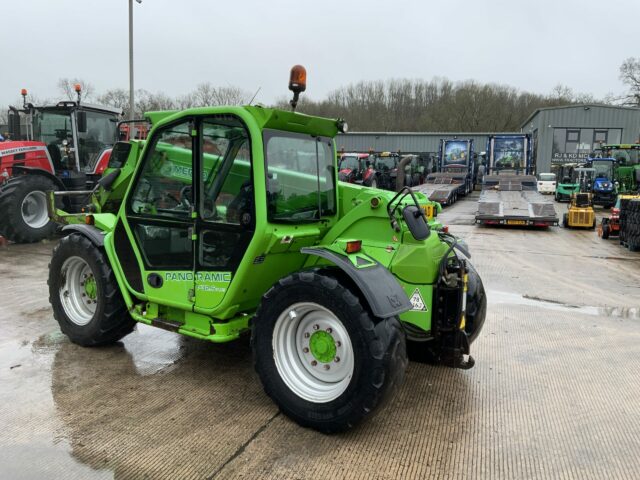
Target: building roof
576,105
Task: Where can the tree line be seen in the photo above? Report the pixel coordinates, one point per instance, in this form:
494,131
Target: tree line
401,105
434,105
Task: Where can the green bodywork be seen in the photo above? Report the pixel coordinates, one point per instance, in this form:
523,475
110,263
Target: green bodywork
565,190
627,170
218,305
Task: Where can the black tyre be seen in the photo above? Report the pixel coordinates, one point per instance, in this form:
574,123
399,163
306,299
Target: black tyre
605,229
84,294
565,221
321,356
23,208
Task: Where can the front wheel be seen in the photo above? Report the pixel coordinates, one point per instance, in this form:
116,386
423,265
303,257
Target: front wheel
84,294
23,208
321,356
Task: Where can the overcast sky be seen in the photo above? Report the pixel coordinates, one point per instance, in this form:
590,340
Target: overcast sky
252,43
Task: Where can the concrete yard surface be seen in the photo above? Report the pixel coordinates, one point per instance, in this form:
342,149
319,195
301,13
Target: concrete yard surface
554,393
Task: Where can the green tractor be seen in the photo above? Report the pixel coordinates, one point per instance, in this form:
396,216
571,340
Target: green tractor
627,171
230,221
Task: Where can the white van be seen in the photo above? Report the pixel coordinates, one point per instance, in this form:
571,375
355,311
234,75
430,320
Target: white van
547,183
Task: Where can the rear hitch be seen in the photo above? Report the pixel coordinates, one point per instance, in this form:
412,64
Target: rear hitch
455,349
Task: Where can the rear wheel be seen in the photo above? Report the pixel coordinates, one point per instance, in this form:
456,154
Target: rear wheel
604,230
23,208
565,221
84,294
321,357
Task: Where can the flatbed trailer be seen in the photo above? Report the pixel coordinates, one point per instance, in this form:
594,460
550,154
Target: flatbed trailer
508,199
443,187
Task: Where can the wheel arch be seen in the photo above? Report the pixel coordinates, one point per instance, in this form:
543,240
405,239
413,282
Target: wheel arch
39,171
93,234
381,290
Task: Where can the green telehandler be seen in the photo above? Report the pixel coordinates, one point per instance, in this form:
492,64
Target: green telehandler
229,221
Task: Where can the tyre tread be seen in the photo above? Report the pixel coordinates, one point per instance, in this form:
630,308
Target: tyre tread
386,344
115,322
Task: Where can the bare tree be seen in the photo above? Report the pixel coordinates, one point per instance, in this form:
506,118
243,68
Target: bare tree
117,98
207,94
630,76
434,105
67,88
148,102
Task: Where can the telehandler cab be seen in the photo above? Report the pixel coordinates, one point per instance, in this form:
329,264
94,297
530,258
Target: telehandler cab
232,222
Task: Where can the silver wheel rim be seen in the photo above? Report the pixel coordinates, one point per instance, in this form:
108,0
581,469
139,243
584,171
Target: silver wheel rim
310,379
76,302
34,209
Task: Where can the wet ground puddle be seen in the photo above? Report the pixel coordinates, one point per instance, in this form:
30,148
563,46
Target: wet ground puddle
607,311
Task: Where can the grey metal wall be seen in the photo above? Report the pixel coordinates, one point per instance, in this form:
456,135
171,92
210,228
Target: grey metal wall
417,142
581,116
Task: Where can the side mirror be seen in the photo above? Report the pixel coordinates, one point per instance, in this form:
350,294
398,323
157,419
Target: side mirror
414,218
81,117
14,125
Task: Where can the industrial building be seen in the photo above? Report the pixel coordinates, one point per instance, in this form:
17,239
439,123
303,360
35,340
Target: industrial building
568,134
558,134
408,142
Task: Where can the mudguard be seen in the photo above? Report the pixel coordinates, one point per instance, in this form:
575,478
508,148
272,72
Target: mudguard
382,291
95,235
38,171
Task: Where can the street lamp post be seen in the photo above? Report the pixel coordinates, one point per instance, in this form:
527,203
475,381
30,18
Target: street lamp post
131,102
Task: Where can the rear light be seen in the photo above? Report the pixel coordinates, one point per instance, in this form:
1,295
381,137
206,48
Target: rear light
445,229
353,246
615,211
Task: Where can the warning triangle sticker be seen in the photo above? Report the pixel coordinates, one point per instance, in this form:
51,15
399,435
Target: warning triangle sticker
417,302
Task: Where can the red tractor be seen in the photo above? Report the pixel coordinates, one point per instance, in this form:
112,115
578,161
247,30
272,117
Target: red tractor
610,226
356,168
65,147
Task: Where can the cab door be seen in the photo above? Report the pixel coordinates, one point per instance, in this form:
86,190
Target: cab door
225,221
159,219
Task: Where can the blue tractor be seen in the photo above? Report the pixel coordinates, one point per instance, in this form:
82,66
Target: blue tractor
604,189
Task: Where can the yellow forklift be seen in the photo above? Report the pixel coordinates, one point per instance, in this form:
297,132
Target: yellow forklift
580,212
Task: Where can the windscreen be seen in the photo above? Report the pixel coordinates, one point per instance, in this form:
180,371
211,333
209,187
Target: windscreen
604,169
455,152
101,133
52,126
349,162
508,153
547,177
626,157
385,163
300,177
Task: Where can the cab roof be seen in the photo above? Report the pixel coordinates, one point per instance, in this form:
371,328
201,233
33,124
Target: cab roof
266,118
